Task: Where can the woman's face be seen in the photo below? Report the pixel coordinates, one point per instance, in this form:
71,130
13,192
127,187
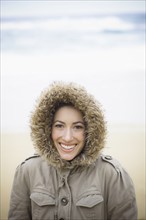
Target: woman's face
68,132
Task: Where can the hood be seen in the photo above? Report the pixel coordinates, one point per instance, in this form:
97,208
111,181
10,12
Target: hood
58,94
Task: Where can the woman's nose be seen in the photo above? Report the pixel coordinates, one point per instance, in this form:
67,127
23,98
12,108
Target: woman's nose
67,135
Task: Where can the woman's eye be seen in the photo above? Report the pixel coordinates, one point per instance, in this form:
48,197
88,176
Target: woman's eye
79,127
58,126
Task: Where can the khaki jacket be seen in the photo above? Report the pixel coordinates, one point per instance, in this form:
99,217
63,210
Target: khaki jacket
103,191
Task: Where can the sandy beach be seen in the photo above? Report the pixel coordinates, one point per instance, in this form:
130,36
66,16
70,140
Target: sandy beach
124,142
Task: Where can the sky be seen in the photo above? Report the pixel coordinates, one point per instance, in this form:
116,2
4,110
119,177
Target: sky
42,8
99,44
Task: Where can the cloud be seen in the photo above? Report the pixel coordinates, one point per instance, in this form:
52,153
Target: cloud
97,24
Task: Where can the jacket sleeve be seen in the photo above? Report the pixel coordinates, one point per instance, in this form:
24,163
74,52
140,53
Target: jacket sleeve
20,205
121,199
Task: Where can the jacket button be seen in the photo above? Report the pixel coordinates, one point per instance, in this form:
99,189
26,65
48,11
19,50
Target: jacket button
108,157
64,201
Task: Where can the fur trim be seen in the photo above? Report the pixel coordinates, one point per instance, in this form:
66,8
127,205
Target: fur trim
57,94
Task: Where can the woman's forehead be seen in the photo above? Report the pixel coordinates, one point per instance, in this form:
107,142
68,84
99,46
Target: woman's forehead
68,113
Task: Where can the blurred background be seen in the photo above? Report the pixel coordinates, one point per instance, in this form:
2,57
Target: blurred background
98,44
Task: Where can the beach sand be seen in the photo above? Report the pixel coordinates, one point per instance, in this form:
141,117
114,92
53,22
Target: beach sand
124,142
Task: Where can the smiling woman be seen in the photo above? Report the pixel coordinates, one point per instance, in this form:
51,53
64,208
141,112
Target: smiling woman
70,178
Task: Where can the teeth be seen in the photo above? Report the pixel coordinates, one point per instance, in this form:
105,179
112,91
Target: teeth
67,147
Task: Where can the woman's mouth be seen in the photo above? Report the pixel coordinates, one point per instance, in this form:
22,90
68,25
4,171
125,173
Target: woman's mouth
67,148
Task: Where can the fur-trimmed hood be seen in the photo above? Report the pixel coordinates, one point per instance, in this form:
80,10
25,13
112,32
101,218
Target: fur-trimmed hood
58,94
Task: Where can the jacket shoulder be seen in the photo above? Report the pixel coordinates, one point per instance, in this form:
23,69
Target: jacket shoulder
112,161
30,158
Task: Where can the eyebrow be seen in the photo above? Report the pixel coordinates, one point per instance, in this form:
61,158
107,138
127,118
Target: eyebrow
59,121
77,122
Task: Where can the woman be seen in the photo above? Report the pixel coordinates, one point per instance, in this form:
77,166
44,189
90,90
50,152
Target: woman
69,178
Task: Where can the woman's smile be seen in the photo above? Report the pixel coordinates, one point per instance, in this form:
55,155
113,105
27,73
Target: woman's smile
67,147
